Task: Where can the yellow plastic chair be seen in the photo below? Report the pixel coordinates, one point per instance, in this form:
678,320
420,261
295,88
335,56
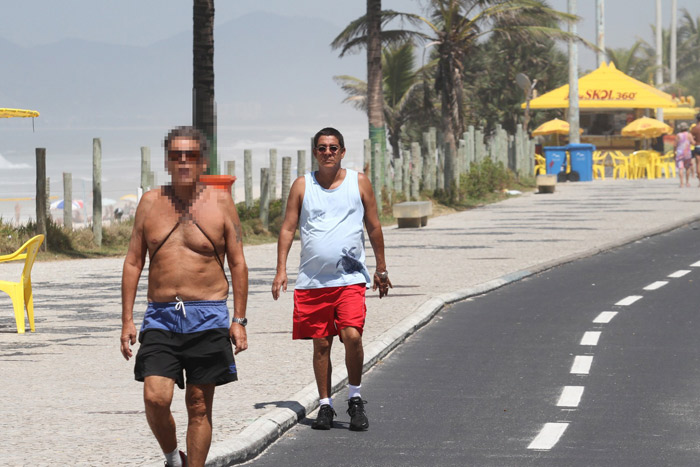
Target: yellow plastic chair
21,292
540,165
666,165
621,165
643,164
599,158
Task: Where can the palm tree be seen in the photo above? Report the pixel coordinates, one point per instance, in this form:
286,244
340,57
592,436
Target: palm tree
688,45
367,31
456,25
400,90
204,111
628,61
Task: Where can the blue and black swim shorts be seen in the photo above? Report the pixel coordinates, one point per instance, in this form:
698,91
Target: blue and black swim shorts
191,336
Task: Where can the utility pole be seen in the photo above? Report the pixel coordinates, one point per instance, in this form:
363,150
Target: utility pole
674,38
574,136
659,45
600,31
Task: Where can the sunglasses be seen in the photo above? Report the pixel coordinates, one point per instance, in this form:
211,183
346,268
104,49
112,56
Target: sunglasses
332,148
177,156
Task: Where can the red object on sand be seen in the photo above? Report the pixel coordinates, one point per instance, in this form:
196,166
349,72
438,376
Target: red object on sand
221,182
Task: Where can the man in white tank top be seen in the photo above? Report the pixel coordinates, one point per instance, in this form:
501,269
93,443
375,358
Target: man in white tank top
330,207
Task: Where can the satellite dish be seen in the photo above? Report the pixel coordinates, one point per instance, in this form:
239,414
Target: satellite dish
523,82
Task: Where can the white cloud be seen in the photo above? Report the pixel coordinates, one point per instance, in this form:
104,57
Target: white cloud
5,164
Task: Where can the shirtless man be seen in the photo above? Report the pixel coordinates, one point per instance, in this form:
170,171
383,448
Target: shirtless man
187,229
330,206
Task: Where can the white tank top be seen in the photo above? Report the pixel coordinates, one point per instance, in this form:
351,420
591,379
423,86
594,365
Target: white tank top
332,235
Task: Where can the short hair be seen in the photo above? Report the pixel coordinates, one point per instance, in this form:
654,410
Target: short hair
188,132
683,126
328,131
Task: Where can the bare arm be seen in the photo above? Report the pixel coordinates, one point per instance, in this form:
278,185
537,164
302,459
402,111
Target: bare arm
289,226
376,236
131,273
239,273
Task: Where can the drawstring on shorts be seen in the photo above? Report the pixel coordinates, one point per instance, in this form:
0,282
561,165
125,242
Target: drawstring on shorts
180,306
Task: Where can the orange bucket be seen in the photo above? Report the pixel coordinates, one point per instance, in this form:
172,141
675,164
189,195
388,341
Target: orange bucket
220,182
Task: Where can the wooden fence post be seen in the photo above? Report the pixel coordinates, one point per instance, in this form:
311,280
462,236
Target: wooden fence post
97,191
41,194
273,174
68,201
231,170
301,163
248,172
265,197
314,162
286,181
146,168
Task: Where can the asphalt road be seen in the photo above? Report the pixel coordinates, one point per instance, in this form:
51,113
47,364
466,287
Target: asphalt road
566,368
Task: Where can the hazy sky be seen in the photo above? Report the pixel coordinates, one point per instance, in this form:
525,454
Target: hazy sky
32,22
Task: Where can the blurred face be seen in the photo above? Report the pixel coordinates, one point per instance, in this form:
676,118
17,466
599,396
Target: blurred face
184,161
328,152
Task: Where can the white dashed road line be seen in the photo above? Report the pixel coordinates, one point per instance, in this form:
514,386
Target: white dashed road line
548,436
680,273
628,300
695,265
590,338
655,285
570,396
605,317
582,364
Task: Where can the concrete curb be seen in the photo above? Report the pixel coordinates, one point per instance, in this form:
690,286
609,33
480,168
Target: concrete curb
270,426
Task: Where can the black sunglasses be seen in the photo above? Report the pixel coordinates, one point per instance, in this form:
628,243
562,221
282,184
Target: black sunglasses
332,148
176,156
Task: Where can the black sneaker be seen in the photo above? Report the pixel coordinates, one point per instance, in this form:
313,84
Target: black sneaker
356,410
324,419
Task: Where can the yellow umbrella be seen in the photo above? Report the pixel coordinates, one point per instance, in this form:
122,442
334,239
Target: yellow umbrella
646,127
607,88
680,113
552,127
9,113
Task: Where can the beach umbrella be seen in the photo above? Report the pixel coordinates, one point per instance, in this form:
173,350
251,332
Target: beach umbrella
10,113
76,204
646,127
130,197
552,127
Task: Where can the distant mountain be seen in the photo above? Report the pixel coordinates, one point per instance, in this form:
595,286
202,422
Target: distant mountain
270,69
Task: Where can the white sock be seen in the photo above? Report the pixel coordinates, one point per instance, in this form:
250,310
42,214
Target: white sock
173,458
354,391
326,400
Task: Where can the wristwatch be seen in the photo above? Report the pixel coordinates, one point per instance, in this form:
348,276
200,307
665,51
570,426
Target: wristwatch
383,275
242,321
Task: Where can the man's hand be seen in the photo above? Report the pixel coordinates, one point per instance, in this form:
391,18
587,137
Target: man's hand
382,282
239,338
128,338
280,282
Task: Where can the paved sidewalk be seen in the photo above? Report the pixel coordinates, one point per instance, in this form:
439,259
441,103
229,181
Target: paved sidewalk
69,397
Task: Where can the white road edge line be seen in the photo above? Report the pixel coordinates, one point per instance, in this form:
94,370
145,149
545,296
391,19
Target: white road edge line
629,300
570,396
548,436
679,273
590,338
605,317
655,285
582,364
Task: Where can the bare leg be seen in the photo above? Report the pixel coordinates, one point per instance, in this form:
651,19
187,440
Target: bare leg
157,397
354,354
322,365
681,173
199,399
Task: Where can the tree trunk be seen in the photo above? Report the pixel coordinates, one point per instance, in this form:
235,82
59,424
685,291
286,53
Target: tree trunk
375,95
204,111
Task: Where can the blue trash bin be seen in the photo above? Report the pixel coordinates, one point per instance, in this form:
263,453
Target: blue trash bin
555,159
581,159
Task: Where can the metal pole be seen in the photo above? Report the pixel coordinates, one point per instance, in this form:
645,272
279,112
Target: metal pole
674,38
248,174
41,193
573,80
659,78
600,32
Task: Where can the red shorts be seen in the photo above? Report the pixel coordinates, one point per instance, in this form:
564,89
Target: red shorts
323,312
